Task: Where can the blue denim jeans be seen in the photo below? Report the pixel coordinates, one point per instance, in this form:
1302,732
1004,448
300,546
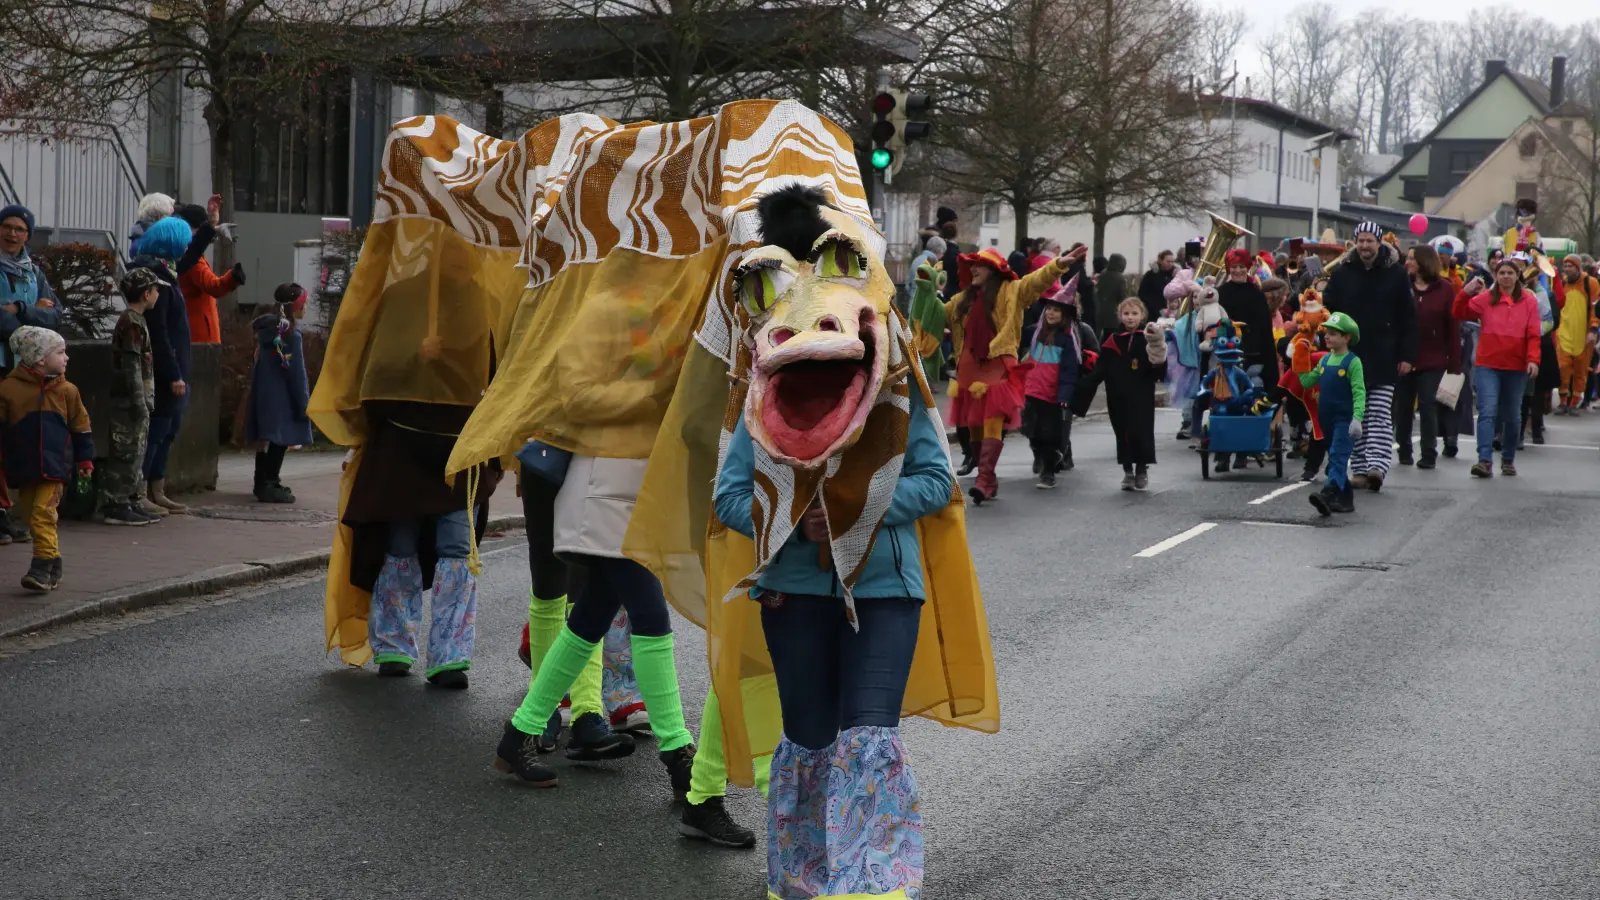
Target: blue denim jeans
1499,396
450,538
831,676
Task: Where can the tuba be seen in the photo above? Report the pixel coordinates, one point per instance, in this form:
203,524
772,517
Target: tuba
1218,243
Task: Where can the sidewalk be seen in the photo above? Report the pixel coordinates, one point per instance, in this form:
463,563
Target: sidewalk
226,539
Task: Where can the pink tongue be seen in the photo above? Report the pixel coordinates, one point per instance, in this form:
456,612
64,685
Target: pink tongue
811,442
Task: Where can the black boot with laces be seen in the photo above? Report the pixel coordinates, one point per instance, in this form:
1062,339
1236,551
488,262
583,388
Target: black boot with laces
679,763
709,821
518,755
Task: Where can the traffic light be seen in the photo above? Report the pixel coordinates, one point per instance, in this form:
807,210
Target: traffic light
883,130
895,128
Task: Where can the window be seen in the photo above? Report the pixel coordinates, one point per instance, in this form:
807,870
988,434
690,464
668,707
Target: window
163,133
1566,126
991,212
1529,147
296,161
1462,162
1527,190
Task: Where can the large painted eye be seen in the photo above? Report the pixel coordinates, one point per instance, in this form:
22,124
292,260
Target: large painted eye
836,256
761,283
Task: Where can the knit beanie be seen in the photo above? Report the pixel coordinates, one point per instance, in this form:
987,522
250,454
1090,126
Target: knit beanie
17,211
166,239
1369,227
31,343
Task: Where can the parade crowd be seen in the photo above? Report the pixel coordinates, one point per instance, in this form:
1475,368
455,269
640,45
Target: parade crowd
1356,347
169,295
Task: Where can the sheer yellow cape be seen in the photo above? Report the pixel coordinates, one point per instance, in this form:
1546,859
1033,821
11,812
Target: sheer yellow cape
438,272
622,346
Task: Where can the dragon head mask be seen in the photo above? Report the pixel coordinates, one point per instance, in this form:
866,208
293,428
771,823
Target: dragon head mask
818,305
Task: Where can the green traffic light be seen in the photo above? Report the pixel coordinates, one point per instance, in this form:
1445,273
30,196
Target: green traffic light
881,158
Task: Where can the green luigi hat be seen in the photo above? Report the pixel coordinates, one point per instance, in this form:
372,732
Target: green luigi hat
1344,325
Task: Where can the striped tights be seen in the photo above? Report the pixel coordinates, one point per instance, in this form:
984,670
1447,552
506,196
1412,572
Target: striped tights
1375,451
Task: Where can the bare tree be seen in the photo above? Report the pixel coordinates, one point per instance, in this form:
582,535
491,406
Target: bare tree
1143,149
1215,39
1306,61
1388,54
1569,177
100,59
1014,114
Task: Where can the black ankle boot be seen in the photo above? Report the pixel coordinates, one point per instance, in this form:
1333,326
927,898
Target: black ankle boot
38,575
679,763
518,756
709,821
593,740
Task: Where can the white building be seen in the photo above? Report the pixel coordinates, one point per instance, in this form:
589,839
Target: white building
1272,195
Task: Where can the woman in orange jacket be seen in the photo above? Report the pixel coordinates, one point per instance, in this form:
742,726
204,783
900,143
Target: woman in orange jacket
200,285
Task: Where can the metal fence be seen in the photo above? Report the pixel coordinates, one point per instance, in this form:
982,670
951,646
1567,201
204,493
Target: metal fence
81,186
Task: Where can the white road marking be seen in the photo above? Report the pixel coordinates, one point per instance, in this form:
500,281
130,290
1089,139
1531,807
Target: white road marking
1566,446
1175,540
1279,492
1274,524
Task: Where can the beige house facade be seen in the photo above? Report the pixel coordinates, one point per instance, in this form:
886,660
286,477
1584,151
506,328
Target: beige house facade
1517,168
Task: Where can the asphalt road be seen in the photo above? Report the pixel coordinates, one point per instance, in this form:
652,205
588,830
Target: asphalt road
1402,703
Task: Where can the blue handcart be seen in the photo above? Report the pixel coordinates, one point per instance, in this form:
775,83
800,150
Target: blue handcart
1250,434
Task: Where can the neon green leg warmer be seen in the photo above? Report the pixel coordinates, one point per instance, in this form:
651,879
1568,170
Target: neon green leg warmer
585,691
545,618
654,666
709,778
561,667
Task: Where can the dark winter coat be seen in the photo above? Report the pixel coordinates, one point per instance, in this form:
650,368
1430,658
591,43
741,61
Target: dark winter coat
1379,299
401,479
278,388
1438,332
1109,291
1152,288
170,348
1130,377
1247,306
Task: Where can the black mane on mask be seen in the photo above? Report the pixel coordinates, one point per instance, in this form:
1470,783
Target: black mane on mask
790,218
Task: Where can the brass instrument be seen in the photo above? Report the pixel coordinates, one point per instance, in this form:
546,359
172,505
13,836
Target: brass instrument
1221,239
1331,258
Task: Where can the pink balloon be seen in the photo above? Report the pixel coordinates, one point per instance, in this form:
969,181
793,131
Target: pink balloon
1419,224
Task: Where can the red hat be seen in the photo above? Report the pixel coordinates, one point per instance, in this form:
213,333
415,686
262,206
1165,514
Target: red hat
1238,256
988,256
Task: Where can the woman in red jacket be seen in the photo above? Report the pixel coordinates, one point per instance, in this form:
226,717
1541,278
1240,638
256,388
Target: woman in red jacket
1508,355
1438,352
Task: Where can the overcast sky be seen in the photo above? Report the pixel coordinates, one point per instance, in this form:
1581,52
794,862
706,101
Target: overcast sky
1264,19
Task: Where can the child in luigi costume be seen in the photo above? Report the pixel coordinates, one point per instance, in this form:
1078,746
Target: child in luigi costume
1341,402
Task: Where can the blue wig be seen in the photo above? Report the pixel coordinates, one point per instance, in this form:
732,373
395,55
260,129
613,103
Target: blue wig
166,239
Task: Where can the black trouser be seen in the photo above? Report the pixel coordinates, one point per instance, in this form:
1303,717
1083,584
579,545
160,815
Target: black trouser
964,437
601,585
269,464
539,515
1419,390
1316,454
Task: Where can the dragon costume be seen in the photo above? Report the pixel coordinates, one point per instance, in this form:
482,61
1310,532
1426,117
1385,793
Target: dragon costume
654,317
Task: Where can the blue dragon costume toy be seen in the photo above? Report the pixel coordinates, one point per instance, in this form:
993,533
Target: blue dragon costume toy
1227,389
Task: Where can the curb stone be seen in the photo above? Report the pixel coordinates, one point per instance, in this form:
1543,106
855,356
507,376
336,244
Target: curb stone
208,581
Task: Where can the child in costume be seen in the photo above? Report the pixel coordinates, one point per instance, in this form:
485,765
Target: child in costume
279,391
986,318
928,318
1302,415
133,385
1199,312
1059,351
1341,402
1575,338
1130,364
44,433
